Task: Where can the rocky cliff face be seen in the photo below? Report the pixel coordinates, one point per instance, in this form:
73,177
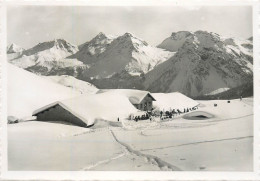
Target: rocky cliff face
203,63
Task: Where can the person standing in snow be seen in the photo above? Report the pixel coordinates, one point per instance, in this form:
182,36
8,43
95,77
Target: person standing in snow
118,119
136,118
240,98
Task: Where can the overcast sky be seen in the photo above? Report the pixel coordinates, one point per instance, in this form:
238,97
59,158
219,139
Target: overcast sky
29,25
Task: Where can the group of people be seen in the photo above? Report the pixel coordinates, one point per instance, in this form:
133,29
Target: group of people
161,114
171,113
142,117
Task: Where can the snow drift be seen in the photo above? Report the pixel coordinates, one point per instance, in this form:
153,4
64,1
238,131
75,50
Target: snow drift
27,92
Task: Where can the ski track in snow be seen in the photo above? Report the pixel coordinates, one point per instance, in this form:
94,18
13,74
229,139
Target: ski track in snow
199,142
149,158
103,162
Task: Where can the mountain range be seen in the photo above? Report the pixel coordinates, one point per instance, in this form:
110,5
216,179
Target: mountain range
194,63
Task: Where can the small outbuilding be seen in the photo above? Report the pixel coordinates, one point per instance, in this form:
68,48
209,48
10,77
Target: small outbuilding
59,111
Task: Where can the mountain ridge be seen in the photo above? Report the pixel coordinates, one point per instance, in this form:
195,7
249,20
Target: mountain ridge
202,58
194,63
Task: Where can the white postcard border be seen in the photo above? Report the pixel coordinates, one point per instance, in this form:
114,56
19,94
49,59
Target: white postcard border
128,175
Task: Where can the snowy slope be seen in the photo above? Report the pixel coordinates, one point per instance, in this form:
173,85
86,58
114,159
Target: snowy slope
203,63
27,92
11,56
127,53
13,48
72,82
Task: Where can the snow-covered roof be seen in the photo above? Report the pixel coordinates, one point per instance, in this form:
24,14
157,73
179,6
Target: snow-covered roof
134,96
174,100
27,92
89,108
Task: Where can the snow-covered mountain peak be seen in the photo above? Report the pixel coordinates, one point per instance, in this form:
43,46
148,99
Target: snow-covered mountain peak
202,58
202,39
180,35
131,40
54,45
176,40
208,39
229,41
65,45
127,53
47,56
13,48
102,39
89,51
101,34
128,34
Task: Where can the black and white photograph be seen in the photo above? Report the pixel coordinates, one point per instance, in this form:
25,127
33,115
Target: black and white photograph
130,88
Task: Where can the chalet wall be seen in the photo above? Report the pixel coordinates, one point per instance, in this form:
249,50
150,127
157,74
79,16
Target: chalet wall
149,104
58,113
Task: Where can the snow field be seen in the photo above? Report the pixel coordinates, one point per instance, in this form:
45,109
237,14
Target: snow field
220,143
32,147
223,143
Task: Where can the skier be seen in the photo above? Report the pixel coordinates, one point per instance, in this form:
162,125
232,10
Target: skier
240,98
136,118
118,119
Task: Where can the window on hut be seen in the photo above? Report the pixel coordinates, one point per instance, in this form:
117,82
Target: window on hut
145,106
150,104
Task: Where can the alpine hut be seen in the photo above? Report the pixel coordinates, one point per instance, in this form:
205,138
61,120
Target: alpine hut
142,100
87,109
